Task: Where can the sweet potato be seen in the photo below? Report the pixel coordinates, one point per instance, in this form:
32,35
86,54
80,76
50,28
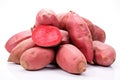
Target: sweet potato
46,16
71,59
96,32
80,34
99,34
60,20
46,36
17,38
65,37
90,25
104,54
36,58
19,49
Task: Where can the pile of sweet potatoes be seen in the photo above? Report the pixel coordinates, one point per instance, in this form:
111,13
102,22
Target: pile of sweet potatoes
65,39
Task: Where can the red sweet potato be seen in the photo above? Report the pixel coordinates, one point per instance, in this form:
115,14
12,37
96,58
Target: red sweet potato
46,16
71,59
60,20
17,38
46,36
99,34
90,25
96,32
19,49
104,54
36,58
79,34
65,37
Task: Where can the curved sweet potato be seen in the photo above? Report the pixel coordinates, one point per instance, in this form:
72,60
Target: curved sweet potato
17,38
104,54
36,58
19,49
80,34
71,59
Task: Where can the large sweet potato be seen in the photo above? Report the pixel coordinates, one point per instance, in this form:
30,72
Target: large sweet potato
36,58
79,34
71,59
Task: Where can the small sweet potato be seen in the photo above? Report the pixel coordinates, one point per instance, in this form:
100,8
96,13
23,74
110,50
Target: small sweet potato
104,54
17,38
79,34
47,17
19,49
46,35
36,58
71,59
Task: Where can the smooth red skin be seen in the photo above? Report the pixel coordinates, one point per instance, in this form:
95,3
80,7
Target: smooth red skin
71,59
65,37
36,58
46,35
65,40
99,34
18,50
104,54
80,35
60,20
96,32
90,25
47,17
16,39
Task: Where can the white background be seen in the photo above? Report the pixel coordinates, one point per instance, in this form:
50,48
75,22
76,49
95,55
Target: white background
19,15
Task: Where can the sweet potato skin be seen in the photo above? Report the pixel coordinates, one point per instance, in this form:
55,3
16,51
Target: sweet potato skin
99,34
36,58
96,32
80,35
71,59
90,25
46,17
19,49
61,21
104,54
65,37
17,38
